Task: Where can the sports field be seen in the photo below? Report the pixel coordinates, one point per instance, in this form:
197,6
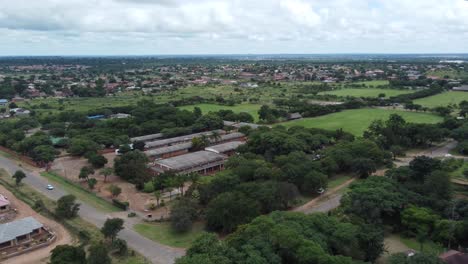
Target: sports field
248,108
442,99
366,92
356,121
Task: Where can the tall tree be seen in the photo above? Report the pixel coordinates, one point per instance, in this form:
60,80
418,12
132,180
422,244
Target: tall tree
19,176
112,227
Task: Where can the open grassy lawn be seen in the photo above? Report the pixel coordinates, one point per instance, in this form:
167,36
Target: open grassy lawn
162,233
443,99
356,121
428,246
451,73
373,83
80,193
366,92
252,109
458,173
337,181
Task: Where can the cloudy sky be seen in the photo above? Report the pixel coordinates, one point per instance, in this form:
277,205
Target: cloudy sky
142,27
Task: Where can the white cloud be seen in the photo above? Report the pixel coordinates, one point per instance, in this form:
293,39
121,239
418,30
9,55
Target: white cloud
232,26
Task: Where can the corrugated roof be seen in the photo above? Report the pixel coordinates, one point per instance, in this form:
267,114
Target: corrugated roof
175,140
3,200
147,137
222,148
168,149
12,230
190,160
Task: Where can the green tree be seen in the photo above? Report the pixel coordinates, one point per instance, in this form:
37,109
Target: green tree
66,254
91,183
98,161
418,258
98,255
85,172
79,146
364,167
114,190
131,167
112,227
183,213
44,154
157,195
228,210
106,172
19,176
66,207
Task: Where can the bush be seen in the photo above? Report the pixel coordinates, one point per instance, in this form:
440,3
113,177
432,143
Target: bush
148,187
120,204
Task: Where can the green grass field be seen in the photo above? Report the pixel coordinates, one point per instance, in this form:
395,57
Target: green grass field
81,193
356,121
162,233
451,73
428,246
366,92
442,99
252,109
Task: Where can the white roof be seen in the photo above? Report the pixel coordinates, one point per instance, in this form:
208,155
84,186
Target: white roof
221,148
12,230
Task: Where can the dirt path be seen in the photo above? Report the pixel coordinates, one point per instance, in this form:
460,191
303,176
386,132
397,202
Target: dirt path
40,255
326,202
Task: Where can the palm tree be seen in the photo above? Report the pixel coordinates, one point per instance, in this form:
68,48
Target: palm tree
157,195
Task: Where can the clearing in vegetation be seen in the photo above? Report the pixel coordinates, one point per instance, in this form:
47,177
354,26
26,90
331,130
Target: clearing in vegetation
80,193
252,109
366,92
356,121
163,233
443,99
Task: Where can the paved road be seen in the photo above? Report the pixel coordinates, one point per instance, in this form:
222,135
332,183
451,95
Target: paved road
325,206
153,251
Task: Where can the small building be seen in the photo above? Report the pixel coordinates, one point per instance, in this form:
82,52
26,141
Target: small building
169,151
96,117
3,102
19,232
202,162
5,205
20,111
228,148
463,88
294,116
179,140
238,125
147,137
236,136
120,116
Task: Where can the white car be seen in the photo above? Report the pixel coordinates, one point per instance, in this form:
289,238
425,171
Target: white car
50,187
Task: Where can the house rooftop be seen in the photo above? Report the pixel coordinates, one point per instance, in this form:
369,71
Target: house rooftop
225,147
168,149
191,160
175,140
12,230
147,137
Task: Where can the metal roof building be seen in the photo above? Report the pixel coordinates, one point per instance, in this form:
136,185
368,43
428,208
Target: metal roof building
200,161
225,147
229,137
12,230
181,139
168,149
147,137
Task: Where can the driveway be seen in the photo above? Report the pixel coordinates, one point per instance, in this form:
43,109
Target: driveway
153,251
